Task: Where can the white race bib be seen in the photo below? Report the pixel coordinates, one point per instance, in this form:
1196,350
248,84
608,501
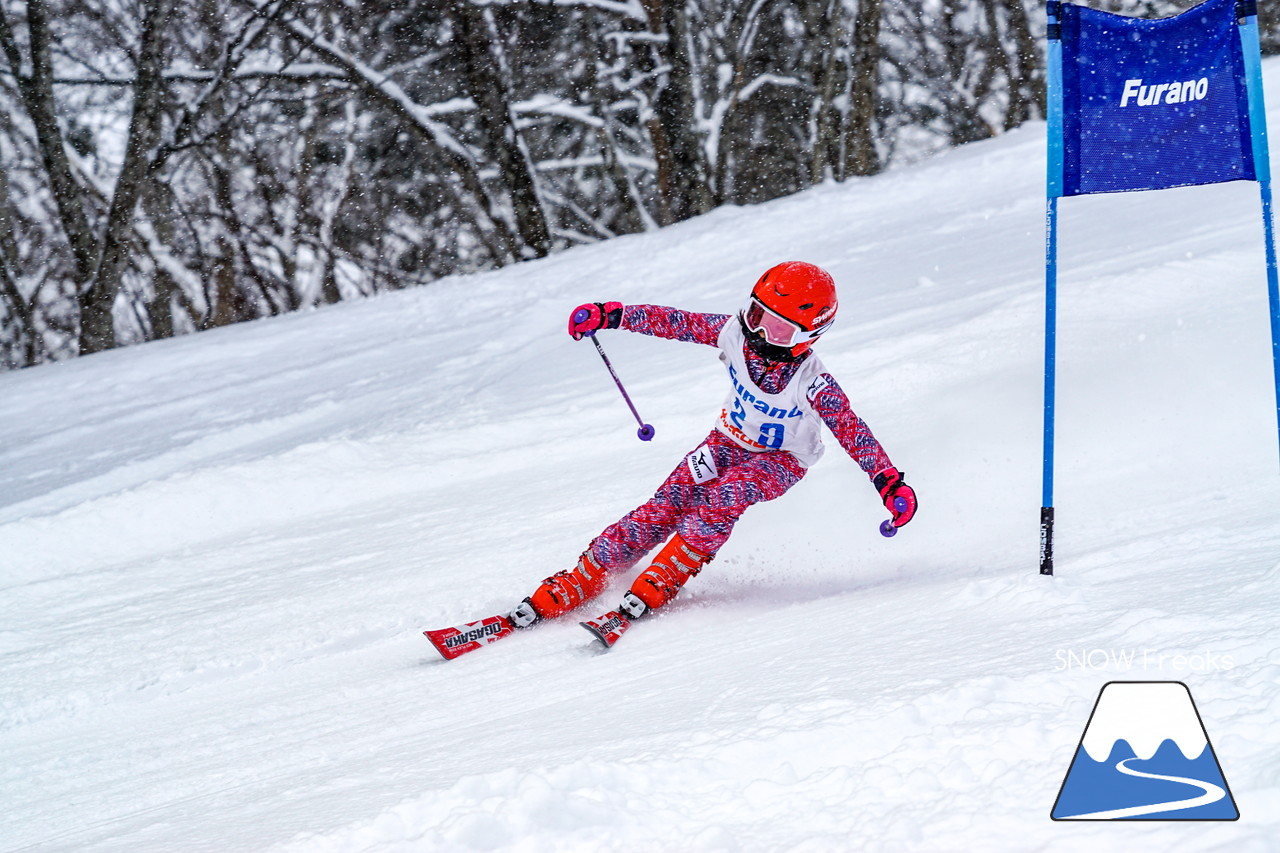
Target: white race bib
759,421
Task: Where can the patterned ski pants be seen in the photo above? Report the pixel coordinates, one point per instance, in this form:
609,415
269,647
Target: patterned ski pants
703,514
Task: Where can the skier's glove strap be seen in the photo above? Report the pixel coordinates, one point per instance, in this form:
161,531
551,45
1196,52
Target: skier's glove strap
597,316
891,486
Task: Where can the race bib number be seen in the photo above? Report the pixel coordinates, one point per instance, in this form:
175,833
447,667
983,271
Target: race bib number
702,466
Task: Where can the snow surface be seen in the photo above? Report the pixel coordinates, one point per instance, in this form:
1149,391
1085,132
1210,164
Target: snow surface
219,551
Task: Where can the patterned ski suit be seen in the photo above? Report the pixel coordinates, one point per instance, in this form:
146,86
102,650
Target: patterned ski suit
759,447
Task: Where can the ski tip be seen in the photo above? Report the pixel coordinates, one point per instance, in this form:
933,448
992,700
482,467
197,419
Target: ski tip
456,641
437,639
607,628
604,641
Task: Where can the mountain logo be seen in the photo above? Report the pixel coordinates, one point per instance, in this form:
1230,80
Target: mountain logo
1145,755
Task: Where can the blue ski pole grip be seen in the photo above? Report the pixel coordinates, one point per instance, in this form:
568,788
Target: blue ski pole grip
887,529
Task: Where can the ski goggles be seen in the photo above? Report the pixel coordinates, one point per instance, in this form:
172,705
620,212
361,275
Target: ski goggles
775,328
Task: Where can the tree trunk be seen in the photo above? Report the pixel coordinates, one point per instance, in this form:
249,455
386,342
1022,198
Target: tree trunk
97,328
37,95
994,47
22,309
1029,82
486,69
634,216
861,156
160,309
824,29
229,302
964,121
329,291
682,171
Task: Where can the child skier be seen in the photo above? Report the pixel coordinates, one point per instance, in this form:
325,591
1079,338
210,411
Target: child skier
764,439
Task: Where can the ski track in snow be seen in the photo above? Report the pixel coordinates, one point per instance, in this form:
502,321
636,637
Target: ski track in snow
219,551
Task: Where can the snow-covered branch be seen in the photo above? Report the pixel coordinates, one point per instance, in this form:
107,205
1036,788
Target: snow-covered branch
373,81
763,80
297,72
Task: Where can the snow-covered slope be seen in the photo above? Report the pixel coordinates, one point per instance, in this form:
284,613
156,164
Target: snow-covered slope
219,552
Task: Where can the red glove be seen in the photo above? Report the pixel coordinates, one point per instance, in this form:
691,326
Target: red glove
586,320
891,486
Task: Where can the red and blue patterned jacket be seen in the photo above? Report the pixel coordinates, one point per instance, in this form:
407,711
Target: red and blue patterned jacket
831,402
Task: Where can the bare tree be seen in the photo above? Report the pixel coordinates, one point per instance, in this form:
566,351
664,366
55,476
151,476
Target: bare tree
828,51
1026,75
682,171
861,155
172,167
488,80
98,293
35,82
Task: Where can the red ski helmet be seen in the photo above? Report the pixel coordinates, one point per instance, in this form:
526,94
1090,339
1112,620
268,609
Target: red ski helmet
791,306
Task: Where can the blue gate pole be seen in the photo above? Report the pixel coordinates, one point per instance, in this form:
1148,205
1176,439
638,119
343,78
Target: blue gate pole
1273,289
1050,380
1053,190
1247,12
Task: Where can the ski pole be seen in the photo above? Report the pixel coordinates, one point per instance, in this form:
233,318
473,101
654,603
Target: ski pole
646,431
886,527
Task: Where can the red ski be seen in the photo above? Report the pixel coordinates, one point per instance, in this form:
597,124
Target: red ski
452,642
608,628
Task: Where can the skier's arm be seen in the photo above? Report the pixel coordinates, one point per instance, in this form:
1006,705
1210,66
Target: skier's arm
831,403
850,430
656,320
662,322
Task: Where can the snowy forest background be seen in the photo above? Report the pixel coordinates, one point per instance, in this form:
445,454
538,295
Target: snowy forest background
168,167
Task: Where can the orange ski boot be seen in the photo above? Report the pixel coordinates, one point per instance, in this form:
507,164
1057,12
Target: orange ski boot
660,583
657,585
562,592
